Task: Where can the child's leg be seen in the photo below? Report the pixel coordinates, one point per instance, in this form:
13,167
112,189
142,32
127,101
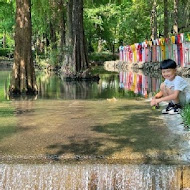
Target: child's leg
167,91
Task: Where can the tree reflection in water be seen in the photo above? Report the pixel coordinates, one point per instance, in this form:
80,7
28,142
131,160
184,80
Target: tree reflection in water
126,84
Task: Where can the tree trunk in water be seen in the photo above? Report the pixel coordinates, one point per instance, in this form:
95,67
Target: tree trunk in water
76,59
23,75
175,26
166,22
154,20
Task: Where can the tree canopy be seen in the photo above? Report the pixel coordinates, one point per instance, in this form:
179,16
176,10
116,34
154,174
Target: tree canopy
107,23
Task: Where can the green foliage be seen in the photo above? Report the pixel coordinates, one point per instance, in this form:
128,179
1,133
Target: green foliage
41,15
127,22
184,16
102,57
108,23
9,40
114,23
6,16
101,24
135,22
54,57
100,70
6,51
186,115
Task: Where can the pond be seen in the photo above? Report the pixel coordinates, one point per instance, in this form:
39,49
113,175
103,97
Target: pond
125,84
87,135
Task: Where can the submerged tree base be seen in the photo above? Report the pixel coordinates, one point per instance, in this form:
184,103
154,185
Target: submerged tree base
80,76
16,93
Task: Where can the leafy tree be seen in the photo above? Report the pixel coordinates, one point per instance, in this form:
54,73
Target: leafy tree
6,19
184,16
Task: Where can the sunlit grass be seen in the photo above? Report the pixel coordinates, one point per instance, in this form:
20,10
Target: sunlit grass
186,115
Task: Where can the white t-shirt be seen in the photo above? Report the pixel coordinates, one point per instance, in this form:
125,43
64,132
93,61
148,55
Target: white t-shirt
182,85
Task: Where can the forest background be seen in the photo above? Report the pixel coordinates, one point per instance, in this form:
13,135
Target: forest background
107,23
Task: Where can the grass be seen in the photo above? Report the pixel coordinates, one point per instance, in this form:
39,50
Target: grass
186,115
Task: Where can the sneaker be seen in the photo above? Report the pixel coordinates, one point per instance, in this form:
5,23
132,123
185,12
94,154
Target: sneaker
175,110
168,108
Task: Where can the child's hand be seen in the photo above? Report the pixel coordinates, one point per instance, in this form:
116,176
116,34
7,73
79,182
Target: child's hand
154,102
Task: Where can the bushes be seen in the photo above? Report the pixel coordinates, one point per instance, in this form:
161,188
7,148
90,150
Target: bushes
6,52
102,57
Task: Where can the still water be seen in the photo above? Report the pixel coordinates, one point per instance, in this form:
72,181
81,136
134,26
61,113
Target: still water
125,84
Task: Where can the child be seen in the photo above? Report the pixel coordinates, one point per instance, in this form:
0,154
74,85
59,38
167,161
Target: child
174,89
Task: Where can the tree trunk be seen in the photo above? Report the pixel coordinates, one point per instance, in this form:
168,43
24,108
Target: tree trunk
79,51
166,21
175,26
153,21
62,30
187,13
67,66
76,58
53,37
23,75
53,26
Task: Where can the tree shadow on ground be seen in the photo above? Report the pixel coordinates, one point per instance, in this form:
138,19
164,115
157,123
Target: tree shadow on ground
84,148
140,131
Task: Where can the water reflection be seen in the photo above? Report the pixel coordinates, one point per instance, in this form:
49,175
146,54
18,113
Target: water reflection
125,84
139,83
52,86
4,84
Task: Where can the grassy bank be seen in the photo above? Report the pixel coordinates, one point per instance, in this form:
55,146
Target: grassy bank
186,115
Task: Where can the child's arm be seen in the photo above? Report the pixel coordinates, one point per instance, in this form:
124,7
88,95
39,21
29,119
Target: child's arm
173,96
158,95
